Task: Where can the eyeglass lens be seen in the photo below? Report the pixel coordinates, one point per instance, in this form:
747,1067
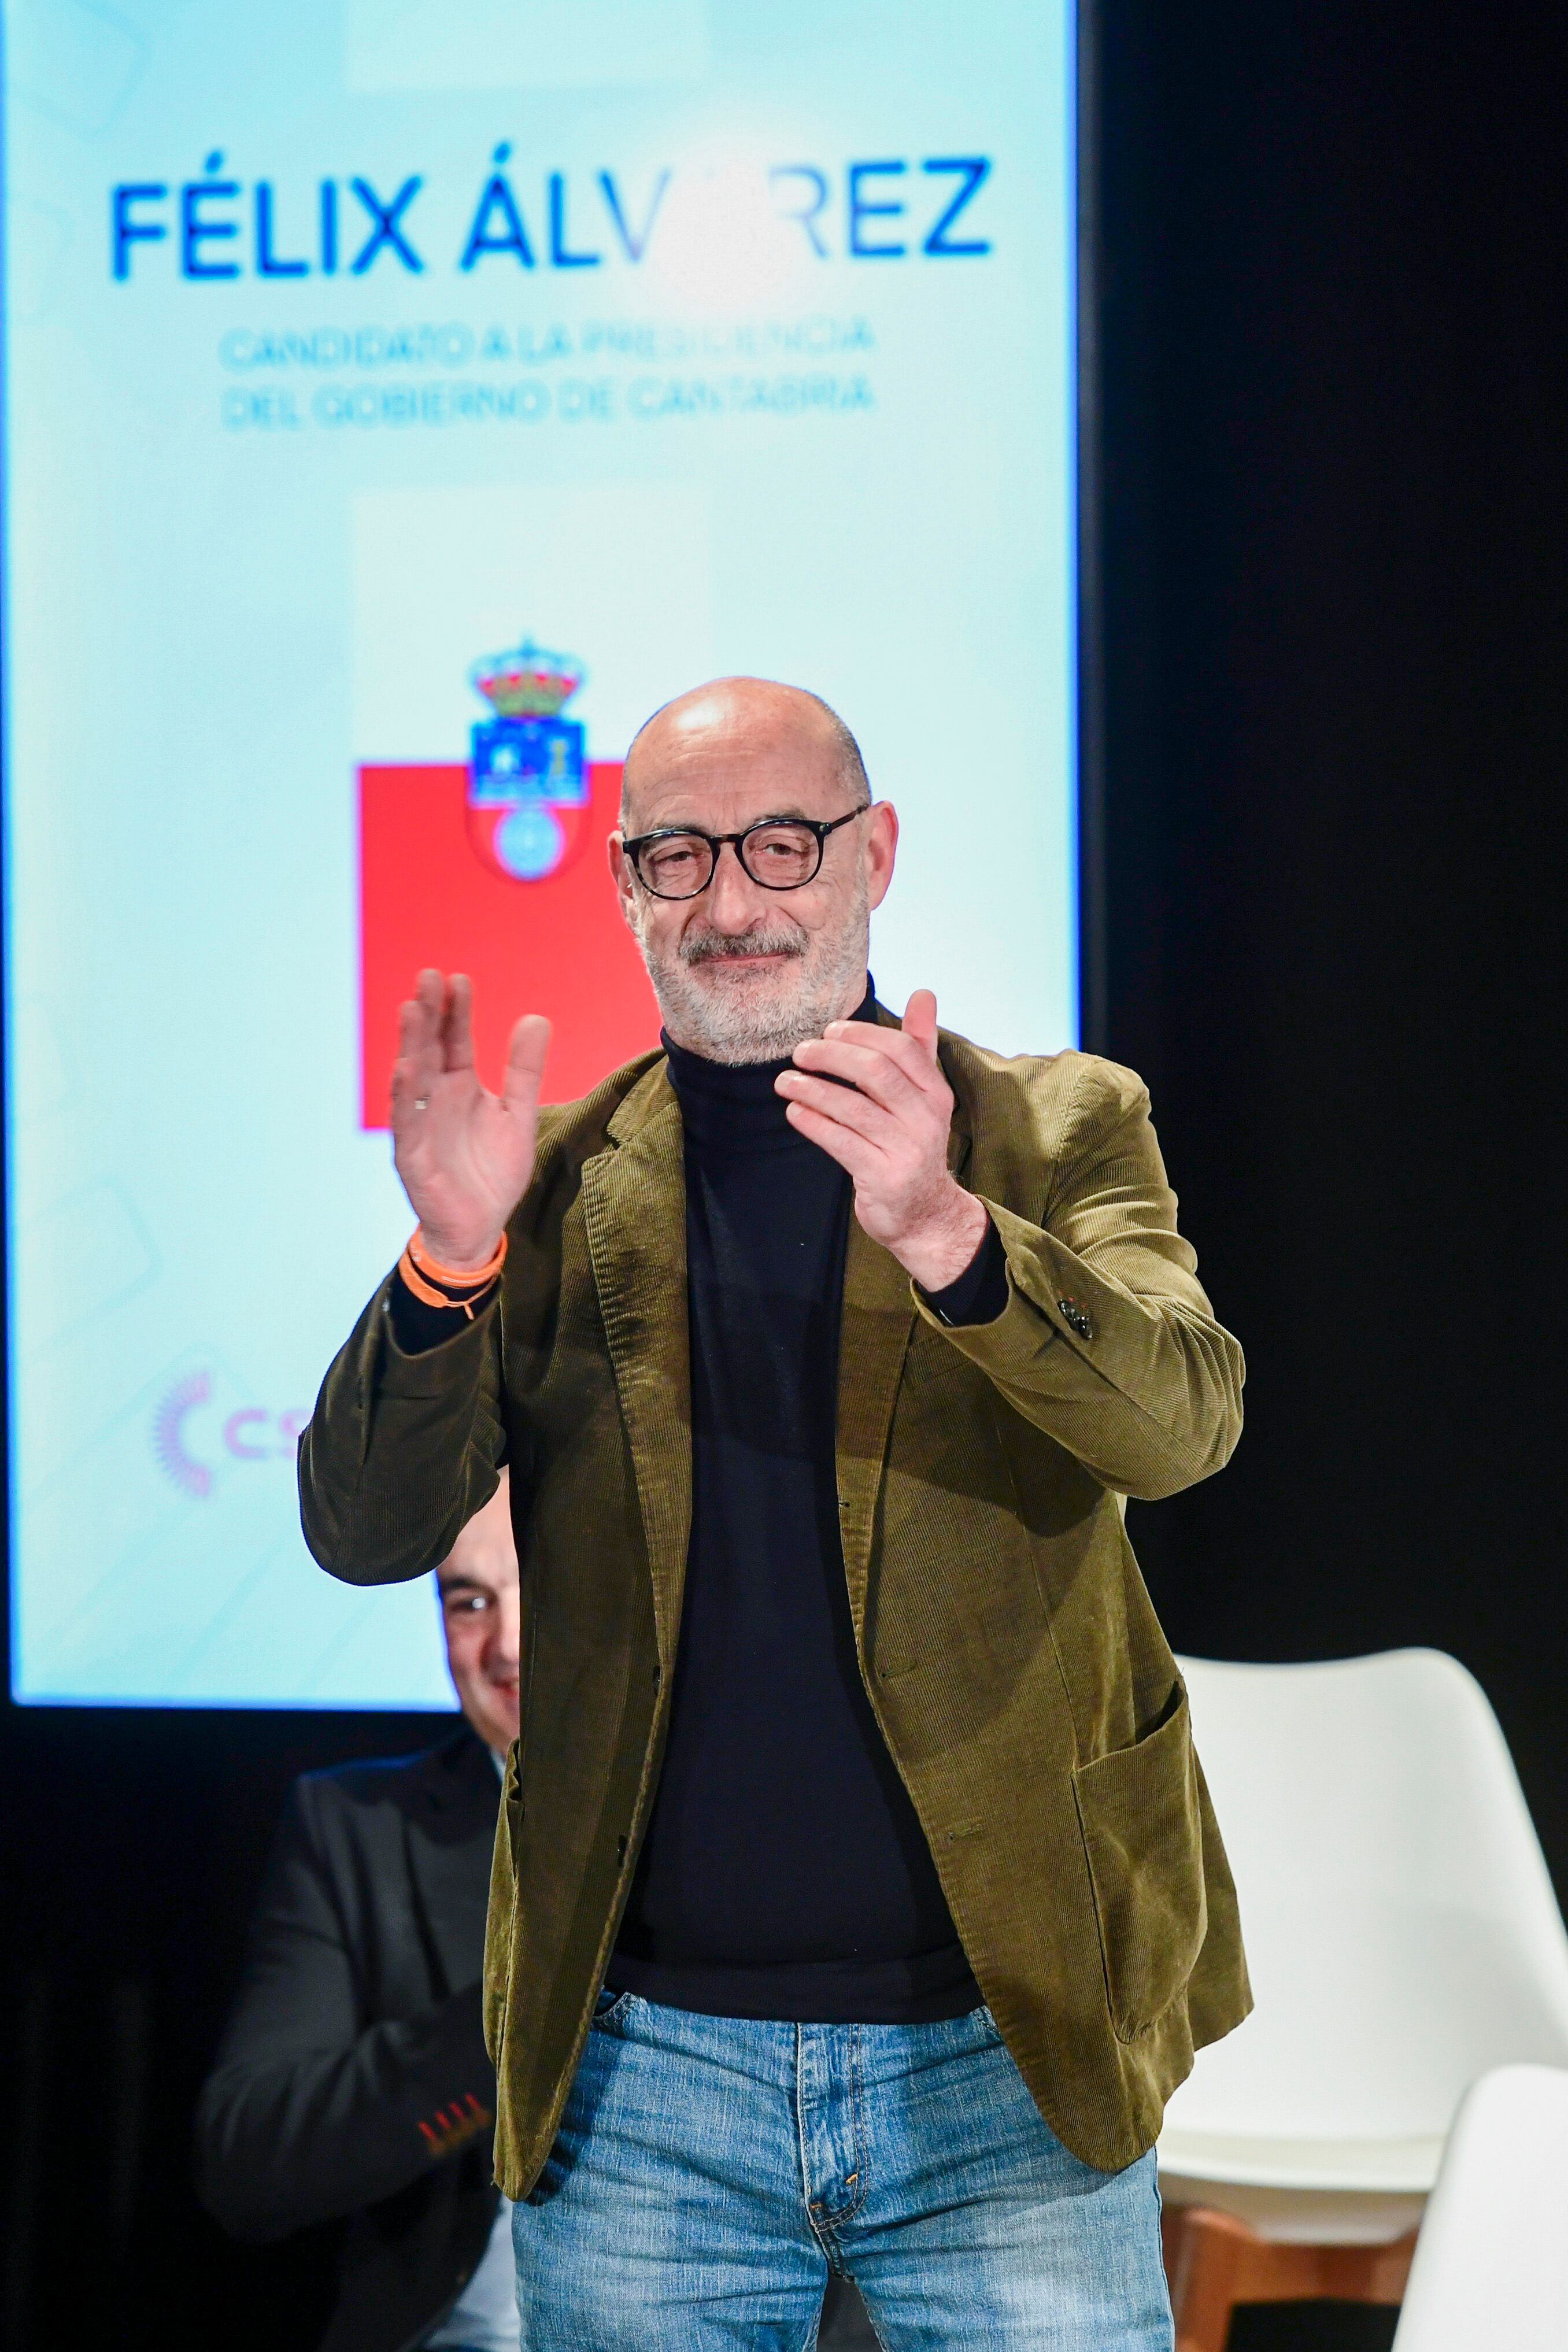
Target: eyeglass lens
779,856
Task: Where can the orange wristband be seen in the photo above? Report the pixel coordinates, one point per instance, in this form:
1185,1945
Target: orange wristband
422,1273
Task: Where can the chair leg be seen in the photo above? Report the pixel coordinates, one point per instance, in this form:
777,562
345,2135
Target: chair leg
1202,2252
1213,2261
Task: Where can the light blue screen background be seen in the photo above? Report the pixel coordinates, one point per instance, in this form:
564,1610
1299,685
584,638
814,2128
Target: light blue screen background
259,525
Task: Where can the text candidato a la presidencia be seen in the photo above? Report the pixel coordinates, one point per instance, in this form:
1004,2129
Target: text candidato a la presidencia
521,233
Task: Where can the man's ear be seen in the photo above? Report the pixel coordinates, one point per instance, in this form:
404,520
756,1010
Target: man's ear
881,850
621,875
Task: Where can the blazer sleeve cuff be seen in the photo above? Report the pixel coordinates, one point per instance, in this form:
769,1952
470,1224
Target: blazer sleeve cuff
980,1293
446,1356
1024,1319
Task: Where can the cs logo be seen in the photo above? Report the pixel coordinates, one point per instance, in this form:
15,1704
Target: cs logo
184,1439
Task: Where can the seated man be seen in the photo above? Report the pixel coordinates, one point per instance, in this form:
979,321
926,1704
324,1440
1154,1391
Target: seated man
353,2079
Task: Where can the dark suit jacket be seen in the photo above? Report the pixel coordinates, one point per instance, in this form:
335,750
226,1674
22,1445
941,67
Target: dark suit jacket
353,2079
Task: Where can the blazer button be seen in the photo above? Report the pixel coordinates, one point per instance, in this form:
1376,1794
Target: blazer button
1077,1317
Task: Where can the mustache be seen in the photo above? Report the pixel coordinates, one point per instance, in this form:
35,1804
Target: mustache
722,946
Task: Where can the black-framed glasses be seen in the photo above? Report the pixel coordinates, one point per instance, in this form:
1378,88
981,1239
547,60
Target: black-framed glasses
779,853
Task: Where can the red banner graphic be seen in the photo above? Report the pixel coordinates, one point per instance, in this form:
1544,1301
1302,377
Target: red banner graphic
557,945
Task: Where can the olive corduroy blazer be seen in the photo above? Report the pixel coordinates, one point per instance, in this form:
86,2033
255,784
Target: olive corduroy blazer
1009,1649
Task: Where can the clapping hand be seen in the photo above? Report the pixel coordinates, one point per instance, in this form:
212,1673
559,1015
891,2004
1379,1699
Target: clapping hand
465,1155
889,1127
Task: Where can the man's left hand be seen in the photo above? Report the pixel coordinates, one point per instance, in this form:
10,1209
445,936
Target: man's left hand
889,1128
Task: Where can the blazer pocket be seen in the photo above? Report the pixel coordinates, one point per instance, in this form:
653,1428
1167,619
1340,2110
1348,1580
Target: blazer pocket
1142,1833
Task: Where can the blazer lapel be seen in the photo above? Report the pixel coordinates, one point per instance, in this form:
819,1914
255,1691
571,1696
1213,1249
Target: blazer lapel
879,1316
633,1208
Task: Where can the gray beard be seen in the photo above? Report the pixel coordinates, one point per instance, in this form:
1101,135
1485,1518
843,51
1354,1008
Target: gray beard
728,1015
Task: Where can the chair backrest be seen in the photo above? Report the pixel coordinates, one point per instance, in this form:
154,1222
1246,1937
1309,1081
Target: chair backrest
1400,1924
1491,2261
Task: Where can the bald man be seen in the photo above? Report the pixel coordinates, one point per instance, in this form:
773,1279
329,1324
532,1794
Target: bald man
858,1901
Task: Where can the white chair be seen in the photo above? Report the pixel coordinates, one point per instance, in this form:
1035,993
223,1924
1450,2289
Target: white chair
1491,2261
1403,1937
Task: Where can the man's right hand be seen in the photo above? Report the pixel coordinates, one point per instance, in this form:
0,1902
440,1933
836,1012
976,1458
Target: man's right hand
465,1156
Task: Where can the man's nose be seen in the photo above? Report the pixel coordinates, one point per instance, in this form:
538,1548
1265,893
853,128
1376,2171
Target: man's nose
501,1651
733,900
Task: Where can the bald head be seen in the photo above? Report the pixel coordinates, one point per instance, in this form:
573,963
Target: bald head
742,720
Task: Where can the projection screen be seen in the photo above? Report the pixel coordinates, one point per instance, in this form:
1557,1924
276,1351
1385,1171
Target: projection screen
402,399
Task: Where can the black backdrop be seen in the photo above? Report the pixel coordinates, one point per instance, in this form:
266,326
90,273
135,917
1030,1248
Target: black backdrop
1336,651
1337,579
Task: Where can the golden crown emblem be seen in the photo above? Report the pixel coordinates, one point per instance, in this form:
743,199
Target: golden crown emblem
528,682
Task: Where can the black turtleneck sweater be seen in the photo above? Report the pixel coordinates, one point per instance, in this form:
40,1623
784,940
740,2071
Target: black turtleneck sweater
783,1873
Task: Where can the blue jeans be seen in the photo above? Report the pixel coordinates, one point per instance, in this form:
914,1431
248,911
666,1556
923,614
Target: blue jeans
710,2172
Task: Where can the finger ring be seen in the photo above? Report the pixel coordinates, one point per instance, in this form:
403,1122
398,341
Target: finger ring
421,1102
